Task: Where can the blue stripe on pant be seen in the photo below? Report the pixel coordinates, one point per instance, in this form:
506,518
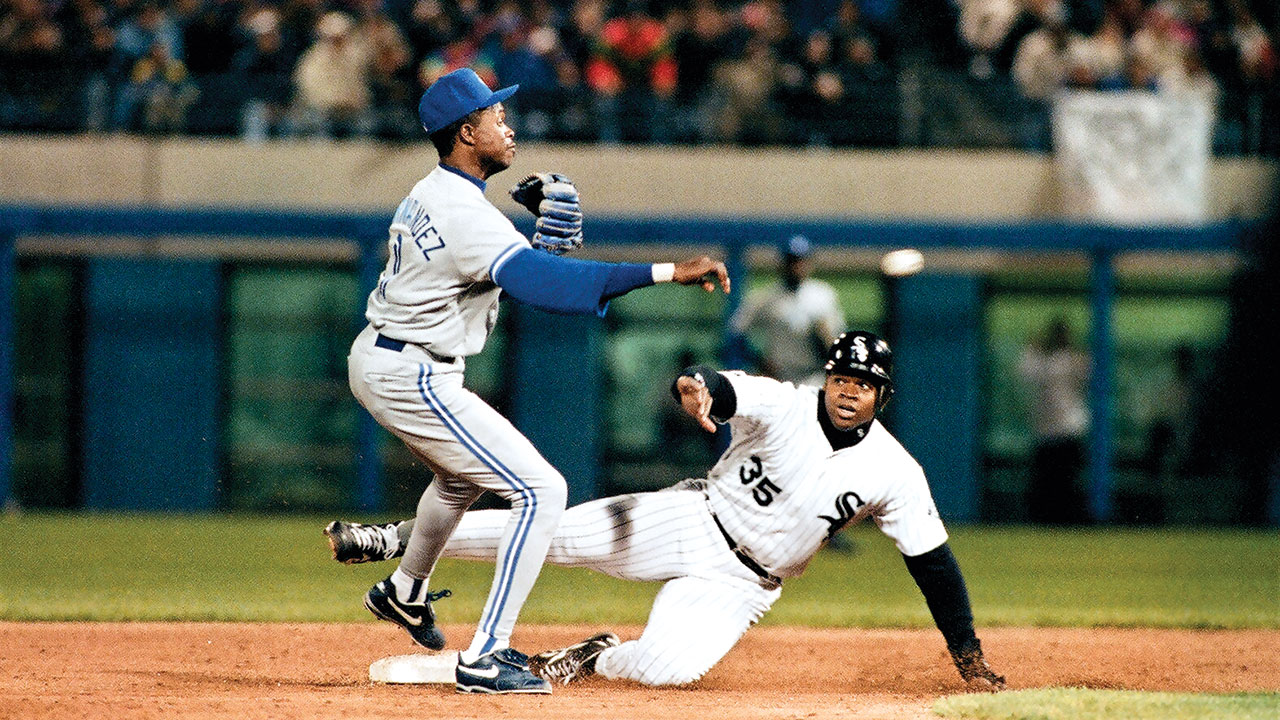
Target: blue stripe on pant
528,511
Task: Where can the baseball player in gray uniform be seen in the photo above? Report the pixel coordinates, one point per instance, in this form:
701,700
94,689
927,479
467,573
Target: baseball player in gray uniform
451,255
804,462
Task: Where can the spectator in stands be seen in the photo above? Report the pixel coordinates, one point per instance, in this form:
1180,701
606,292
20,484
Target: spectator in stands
89,42
208,34
848,26
632,75
532,58
746,85
154,89
431,25
33,66
1058,373
331,87
160,87
1160,47
265,68
1099,63
466,51
138,33
210,39
1257,52
393,90
700,39
814,92
298,20
583,25
985,26
871,95
767,20
1040,65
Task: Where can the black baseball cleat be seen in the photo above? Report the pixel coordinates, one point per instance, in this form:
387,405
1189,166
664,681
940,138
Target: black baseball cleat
353,543
500,672
418,619
574,662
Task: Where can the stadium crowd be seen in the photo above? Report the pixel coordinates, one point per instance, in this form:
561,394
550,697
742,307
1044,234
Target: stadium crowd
806,72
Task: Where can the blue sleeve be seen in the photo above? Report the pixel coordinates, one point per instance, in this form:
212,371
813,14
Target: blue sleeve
568,286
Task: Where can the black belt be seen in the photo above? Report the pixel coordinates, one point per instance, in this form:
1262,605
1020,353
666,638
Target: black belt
387,343
744,558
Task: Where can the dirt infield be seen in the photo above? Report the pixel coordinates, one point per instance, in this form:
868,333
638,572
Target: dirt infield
57,671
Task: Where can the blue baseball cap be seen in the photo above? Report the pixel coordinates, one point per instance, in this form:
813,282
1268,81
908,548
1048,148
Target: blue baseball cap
796,246
456,95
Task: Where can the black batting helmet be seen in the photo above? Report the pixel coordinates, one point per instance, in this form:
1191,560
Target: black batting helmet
863,354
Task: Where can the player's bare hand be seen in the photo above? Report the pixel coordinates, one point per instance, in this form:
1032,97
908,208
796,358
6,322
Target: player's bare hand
702,271
696,401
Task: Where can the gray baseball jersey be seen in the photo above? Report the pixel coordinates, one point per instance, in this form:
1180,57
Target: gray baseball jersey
788,321
447,242
778,493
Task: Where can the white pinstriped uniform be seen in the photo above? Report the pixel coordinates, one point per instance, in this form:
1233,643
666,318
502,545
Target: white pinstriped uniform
437,293
778,491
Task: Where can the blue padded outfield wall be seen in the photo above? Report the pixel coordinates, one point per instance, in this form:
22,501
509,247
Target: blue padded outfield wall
555,385
151,385
153,351
936,346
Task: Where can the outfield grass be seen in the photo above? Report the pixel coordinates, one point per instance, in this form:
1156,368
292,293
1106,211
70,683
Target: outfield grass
96,566
1080,704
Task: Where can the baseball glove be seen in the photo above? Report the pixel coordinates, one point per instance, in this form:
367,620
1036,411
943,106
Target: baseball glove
553,198
974,669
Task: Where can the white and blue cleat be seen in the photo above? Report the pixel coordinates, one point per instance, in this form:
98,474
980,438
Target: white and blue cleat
498,673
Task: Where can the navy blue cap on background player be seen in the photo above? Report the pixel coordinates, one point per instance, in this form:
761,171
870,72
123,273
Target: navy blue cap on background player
796,247
456,95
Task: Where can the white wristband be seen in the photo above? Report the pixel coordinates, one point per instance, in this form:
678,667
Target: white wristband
663,272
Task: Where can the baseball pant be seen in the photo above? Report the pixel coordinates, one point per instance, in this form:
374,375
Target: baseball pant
471,448
709,599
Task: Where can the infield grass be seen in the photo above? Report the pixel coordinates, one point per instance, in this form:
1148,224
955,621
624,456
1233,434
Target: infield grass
1082,704
102,566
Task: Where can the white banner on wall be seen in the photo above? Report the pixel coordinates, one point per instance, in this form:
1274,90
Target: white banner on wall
1133,157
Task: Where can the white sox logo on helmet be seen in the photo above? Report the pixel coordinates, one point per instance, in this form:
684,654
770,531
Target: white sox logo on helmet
860,348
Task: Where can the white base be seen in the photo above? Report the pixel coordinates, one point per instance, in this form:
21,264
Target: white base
415,669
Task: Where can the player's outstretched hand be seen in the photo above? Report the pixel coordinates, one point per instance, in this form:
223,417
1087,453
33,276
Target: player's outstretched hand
702,271
696,401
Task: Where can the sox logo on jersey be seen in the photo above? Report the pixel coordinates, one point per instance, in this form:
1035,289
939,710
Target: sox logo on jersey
847,506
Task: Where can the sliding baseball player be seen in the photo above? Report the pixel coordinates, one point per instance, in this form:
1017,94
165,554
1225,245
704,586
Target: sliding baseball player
804,462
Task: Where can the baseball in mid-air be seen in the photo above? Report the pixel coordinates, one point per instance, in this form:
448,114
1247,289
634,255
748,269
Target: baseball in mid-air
899,263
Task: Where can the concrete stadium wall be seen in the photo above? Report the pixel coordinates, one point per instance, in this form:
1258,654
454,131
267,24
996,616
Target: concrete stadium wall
620,181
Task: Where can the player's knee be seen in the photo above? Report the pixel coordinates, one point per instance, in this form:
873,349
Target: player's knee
548,500
631,661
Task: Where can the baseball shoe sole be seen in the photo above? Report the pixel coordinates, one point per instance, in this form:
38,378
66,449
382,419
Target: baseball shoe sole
574,662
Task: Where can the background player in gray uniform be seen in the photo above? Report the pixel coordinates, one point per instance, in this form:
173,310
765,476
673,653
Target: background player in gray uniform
792,322
804,462
451,254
